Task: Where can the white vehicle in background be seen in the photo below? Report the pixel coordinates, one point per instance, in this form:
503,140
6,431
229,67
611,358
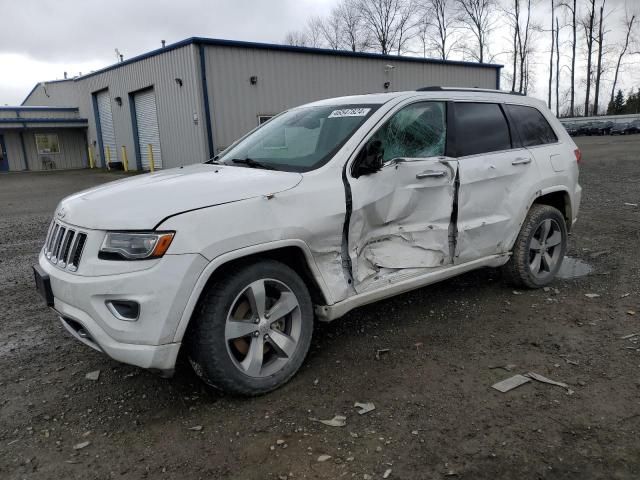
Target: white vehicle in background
324,208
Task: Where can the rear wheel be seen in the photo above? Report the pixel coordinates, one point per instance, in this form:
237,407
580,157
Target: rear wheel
539,249
252,329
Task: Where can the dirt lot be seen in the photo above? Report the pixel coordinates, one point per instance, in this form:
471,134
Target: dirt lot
436,414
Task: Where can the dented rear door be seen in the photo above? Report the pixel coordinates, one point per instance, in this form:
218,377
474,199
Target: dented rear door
496,176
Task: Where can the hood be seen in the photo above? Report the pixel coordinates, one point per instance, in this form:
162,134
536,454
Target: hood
143,201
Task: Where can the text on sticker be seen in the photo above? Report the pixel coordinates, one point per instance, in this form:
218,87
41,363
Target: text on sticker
349,112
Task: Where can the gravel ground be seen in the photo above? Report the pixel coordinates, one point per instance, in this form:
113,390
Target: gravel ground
436,414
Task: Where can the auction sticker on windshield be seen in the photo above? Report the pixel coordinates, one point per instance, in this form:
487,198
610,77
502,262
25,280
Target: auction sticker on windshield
350,112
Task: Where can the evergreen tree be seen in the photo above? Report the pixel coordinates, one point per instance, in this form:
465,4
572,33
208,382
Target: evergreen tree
618,103
632,105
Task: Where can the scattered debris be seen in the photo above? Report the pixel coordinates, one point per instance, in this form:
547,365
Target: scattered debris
571,362
316,381
279,442
364,407
631,335
197,428
515,292
631,312
337,421
386,473
540,378
591,295
381,351
80,446
366,476
418,345
414,432
625,295
508,367
324,458
630,204
510,383
93,376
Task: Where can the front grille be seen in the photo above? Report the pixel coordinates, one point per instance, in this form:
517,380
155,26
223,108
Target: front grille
64,246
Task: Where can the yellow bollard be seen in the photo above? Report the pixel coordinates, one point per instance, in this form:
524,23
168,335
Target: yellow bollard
152,167
108,157
91,164
125,160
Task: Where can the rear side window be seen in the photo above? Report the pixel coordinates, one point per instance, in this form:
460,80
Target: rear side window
531,125
480,128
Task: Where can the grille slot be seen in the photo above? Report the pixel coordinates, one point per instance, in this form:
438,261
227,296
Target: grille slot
76,253
55,252
63,246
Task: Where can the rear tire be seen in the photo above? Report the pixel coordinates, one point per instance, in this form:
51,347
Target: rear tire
252,329
539,249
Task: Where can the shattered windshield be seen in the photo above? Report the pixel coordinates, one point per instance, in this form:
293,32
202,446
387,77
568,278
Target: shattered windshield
416,131
299,140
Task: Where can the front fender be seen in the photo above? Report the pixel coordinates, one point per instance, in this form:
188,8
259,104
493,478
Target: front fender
221,260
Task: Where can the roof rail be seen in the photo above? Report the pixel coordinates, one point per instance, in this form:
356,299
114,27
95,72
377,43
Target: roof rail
436,88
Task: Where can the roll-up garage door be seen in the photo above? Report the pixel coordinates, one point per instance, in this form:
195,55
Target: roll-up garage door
148,132
103,101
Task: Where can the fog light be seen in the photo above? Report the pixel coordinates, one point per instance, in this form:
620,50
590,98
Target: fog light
126,310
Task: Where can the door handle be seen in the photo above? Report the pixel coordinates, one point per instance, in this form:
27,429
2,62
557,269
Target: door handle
430,173
521,161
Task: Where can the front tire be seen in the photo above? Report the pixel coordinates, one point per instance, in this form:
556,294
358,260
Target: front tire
539,249
252,329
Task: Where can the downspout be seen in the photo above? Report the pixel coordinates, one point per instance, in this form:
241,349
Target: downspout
205,96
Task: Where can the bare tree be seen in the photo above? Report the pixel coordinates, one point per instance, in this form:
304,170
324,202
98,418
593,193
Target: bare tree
571,6
587,24
476,17
599,68
355,36
296,38
628,25
390,22
524,49
331,29
512,11
314,32
553,11
437,27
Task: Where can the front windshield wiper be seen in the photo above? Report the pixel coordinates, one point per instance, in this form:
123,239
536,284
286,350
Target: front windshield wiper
214,160
250,162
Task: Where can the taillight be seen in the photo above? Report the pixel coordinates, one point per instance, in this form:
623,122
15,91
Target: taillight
578,155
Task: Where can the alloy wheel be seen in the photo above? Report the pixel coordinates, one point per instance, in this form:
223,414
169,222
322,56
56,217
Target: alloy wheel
263,328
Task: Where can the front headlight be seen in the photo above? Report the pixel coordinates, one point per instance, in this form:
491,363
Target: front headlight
135,245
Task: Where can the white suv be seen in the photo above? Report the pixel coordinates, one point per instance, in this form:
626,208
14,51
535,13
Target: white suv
324,208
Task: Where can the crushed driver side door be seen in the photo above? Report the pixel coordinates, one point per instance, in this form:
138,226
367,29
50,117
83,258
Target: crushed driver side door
400,224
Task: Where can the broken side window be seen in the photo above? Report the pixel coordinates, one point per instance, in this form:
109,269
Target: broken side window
417,131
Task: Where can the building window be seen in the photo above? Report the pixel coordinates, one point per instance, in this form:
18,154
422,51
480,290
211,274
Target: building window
264,118
47,143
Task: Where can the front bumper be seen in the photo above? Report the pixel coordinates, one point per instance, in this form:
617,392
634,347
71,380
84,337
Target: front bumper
161,291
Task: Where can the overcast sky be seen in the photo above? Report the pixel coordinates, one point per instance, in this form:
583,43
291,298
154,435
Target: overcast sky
40,39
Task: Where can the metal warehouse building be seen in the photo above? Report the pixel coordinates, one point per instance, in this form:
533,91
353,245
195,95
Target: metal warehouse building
187,101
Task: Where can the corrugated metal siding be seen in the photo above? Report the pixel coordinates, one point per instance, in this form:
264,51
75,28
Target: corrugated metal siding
59,93
287,79
52,114
183,140
73,152
14,151
148,132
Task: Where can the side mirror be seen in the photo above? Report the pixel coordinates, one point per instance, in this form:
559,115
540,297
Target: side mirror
370,159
